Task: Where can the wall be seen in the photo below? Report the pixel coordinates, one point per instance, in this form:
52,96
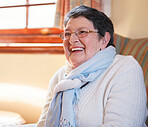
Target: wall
29,69
130,17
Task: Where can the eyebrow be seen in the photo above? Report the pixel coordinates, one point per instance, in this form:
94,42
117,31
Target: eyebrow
67,29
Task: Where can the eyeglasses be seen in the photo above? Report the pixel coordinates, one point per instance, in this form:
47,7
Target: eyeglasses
80,33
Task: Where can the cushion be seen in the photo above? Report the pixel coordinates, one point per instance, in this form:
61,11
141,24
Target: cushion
8,119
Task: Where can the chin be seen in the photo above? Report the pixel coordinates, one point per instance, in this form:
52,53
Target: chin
76,64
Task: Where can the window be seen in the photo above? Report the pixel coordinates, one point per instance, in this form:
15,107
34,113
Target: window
26,26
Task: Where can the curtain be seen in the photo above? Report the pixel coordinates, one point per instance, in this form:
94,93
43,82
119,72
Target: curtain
64,6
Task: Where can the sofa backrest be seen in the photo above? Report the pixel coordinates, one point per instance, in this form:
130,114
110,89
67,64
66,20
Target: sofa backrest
138,48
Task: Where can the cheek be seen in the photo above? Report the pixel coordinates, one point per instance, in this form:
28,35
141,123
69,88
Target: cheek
65,45
92,46
66,49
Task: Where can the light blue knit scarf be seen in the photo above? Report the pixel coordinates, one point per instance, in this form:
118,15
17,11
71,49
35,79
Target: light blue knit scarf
61,111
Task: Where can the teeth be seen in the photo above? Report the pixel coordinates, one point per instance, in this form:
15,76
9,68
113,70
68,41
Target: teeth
76,49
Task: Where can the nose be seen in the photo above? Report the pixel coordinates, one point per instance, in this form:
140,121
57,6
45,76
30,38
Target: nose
73,38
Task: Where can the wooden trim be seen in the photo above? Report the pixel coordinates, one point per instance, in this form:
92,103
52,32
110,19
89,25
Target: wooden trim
27,14
27,5
32,36
33,50
31,39
35,31
48,39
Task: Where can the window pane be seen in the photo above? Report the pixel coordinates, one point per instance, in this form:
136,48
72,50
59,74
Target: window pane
12,2
41,1
41,16
12,18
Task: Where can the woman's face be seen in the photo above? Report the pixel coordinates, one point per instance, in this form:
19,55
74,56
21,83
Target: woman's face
78,50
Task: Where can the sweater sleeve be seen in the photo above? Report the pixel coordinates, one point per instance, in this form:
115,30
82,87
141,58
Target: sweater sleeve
126,102
53,81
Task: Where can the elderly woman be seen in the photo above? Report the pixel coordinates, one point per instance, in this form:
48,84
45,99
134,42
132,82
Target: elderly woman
97,87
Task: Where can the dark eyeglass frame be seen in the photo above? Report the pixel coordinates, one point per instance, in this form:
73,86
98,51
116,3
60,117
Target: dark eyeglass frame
80,33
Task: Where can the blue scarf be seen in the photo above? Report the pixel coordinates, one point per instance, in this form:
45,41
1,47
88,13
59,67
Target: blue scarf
61,111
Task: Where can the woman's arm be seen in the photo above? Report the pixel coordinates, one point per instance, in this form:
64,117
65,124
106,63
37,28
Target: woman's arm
126,104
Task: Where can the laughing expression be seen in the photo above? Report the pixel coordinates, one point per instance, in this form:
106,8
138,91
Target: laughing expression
78,50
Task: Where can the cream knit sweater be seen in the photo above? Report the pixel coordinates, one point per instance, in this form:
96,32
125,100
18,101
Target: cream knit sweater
117,99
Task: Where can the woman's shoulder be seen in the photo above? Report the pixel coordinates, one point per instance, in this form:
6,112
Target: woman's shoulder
59,74
126,61
125,64
128,58
125,71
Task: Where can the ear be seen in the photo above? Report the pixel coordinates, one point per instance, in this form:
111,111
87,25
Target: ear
105,40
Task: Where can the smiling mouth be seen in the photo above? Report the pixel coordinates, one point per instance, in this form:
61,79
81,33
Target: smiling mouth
77,49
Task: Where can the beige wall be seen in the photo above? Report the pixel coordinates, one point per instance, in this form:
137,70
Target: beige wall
130,17
29,69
